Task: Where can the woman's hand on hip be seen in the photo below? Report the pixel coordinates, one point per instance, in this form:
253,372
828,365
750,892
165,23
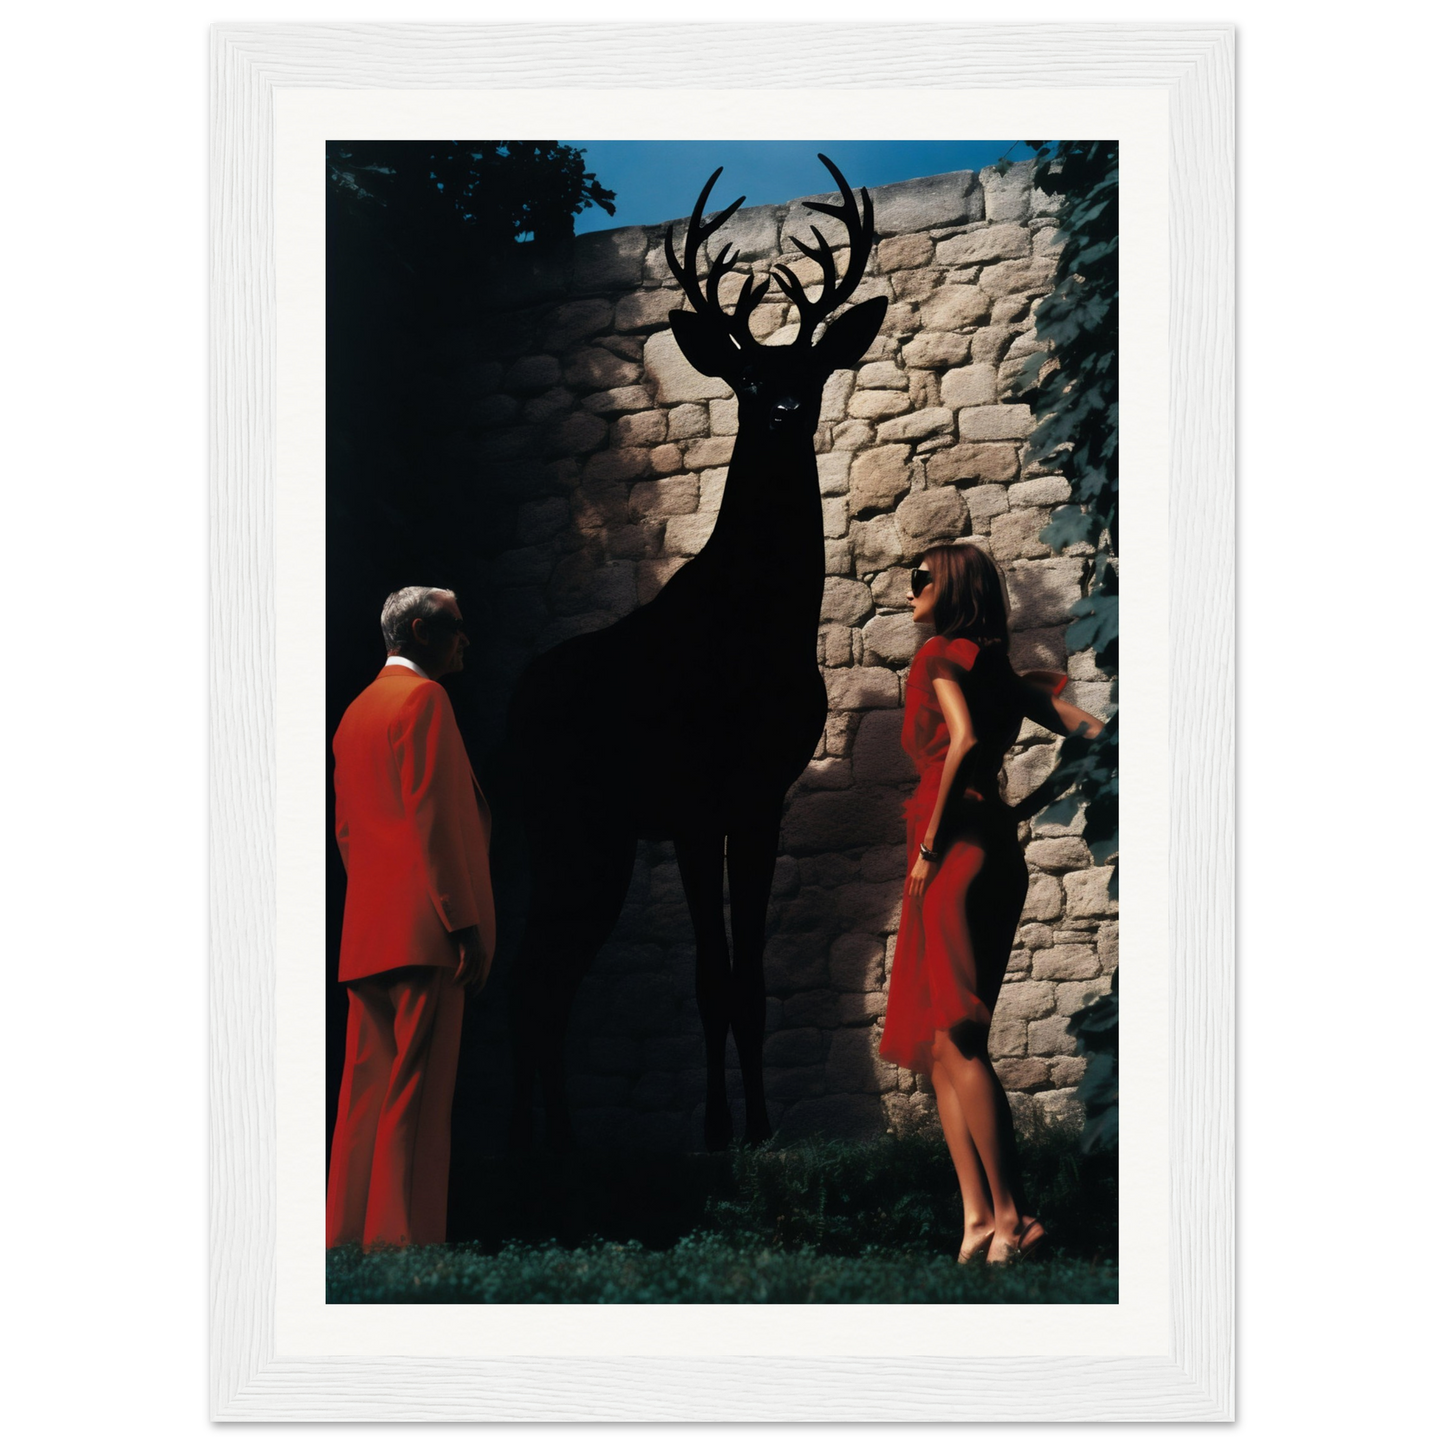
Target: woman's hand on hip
919,878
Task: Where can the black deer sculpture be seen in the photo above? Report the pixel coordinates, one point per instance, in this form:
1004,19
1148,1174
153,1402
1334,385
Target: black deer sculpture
690,718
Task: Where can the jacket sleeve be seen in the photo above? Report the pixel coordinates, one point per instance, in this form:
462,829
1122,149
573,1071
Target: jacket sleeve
435,780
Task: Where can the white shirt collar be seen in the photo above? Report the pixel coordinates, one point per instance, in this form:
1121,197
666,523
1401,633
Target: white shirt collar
399,661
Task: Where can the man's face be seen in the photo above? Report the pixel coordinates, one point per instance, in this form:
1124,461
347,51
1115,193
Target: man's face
441,639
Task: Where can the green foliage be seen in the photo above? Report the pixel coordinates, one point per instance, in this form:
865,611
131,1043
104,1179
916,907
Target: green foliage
437,204
1072,385
701,1269
1096,1027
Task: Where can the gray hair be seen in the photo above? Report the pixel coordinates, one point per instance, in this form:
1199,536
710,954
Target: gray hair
402,607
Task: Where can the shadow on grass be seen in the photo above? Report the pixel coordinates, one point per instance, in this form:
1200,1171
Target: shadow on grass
817,1222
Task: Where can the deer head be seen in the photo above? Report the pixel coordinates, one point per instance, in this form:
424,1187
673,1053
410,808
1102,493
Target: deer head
779,388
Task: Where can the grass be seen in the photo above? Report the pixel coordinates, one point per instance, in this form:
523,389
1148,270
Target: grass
823,1222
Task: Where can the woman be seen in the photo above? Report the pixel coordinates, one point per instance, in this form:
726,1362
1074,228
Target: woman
967,880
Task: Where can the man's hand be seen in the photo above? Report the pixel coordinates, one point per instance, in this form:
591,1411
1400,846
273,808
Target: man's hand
473,964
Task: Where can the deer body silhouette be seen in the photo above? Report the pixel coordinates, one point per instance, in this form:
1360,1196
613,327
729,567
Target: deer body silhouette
690,718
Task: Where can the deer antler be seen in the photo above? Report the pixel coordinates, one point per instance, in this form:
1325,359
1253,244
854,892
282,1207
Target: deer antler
710,304
835,292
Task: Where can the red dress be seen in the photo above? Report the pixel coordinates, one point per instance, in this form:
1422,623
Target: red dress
953,946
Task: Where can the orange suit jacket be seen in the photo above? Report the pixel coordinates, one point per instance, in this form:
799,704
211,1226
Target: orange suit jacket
413,829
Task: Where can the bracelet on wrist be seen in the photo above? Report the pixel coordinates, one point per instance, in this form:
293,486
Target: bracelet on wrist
928,855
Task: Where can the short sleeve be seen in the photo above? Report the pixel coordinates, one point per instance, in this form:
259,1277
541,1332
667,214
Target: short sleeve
949,659
1037,691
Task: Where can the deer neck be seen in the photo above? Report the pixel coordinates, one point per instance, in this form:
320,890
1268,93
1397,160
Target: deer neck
770,505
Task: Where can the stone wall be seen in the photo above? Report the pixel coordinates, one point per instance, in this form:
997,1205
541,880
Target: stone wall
601,456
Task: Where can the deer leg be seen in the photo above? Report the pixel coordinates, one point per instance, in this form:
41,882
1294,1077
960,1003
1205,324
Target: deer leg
575,903
752,854
700,861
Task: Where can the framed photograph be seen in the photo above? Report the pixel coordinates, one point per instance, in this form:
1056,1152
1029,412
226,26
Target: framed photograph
676,843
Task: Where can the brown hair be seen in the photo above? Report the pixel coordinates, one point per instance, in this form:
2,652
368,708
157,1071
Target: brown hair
971,599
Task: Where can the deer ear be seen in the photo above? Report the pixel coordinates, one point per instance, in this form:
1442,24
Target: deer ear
709,351
845,341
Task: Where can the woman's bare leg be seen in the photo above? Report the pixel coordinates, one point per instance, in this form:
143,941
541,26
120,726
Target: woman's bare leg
985,1111
977,1204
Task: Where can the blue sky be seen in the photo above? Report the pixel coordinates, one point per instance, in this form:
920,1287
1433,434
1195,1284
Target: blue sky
659,180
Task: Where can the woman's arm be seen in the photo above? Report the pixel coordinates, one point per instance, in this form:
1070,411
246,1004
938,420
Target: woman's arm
960,740
1042,703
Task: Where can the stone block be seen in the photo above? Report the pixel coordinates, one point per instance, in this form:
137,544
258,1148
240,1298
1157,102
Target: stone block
852,435
955,308
1039,492
927,203
989,343
904,253
1026,1075
1016,534
672,374
1050,1036
1087,893
990,243
910,288
1028,999
934,421
1019,278
708,452
827,774
1066,961
533,373
670,497
935,515
995,423
836,391
975,385
624,464
868,907
833,473
891,641
890,588
1061,1109
883,375
1041,593
879,477
609,260
845,601
687,536
1108,946
1057,855
666,460
932,350
1045,900
1076,995
640,429
632,542
838,557
861,687
987,462
1008,196
876,544
691,419
618,399
1067,1073
647,310
855,963
1008,1038
710,488
875,404
835,517
830,822
860,1008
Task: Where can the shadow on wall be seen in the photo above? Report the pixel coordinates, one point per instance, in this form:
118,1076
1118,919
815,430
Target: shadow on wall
587,458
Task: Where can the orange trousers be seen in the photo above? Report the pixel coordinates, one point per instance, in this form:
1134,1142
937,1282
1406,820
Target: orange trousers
392,1146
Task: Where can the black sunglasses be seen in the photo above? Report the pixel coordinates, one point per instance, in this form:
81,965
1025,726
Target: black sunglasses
919,578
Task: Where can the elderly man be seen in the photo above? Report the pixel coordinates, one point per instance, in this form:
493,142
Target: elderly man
419,928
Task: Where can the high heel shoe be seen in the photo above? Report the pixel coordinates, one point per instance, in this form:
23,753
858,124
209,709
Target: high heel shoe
1033,1236
979,1251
